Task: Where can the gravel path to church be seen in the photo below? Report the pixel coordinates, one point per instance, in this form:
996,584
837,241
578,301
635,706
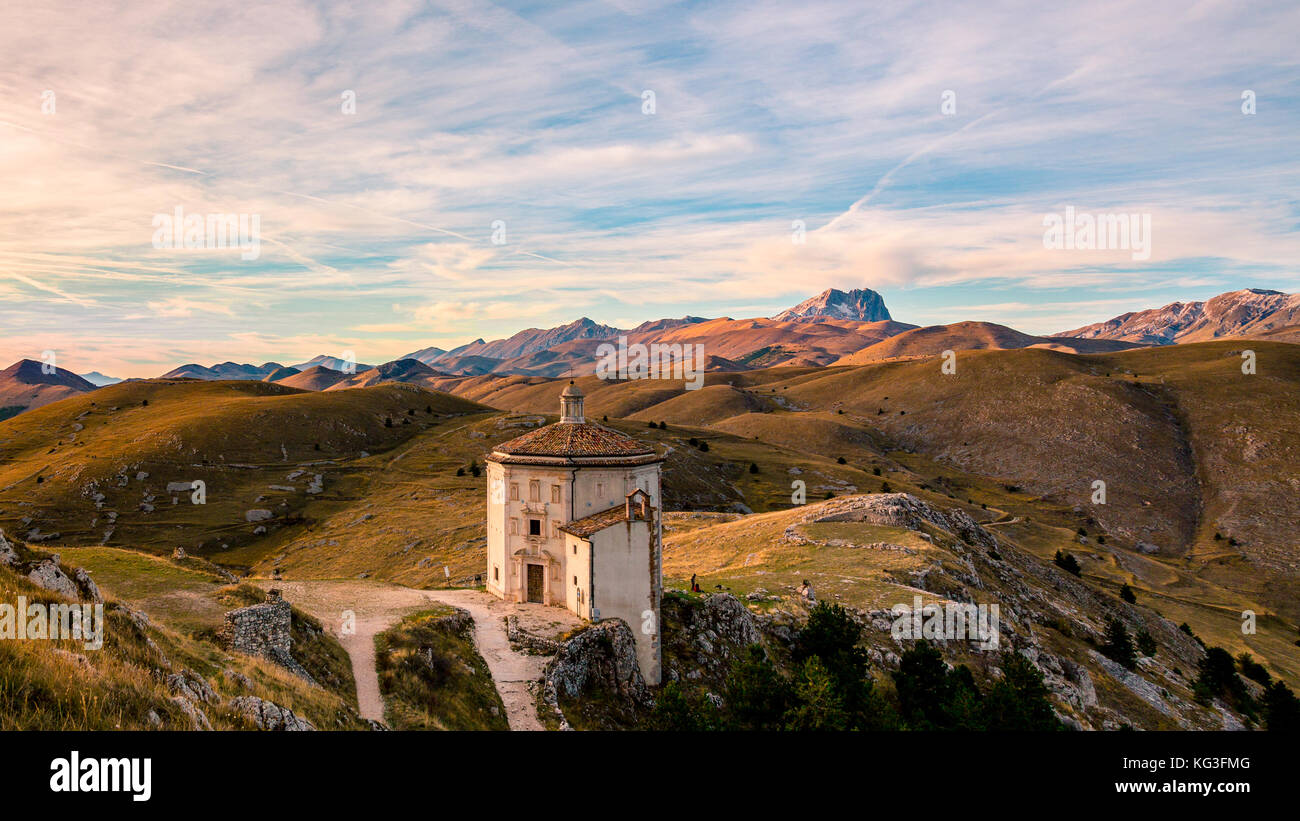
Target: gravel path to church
378,606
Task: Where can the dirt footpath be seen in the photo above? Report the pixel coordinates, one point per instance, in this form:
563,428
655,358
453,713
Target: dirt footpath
378,605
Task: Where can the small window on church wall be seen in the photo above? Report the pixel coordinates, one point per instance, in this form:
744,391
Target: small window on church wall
496,573
555,493
514,491
575,581
575,549
600,490
534,527
534,491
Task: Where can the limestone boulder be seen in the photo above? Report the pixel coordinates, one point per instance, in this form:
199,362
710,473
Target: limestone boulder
267,715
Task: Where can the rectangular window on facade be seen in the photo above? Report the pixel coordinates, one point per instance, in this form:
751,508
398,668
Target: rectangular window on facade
555,493
514,491
600,490
496,573
575,549
534,491
534,527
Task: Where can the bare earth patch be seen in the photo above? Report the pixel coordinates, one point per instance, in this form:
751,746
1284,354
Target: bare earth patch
378,605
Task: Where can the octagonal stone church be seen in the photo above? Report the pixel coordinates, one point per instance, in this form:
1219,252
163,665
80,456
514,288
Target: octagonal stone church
573,521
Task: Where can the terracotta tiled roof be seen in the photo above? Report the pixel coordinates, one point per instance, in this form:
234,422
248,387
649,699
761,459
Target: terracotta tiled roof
596,522
569,439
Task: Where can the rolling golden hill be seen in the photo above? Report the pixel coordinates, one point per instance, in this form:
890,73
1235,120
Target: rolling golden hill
970,336
117,466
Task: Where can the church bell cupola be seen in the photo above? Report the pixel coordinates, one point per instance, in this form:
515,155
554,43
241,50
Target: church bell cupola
571,404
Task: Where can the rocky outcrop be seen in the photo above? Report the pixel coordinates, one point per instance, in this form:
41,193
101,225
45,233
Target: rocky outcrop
895,510
86,586
702,637
198,719
8,556
905,510
191,686
193,695
49,575
267,715
600,661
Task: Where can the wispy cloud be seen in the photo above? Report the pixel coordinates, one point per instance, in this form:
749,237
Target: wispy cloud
500,168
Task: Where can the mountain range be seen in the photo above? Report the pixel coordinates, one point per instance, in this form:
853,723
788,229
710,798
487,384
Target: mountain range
1248,312
835,327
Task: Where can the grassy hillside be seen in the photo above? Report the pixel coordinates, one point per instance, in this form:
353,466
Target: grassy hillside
870,567
62,685
432,678
111,467
969,336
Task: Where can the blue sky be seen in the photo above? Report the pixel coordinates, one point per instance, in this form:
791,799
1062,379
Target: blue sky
377,227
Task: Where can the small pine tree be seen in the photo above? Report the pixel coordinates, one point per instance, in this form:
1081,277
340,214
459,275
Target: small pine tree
1281,708
1146,645
1019,700
1119,647
1126,593
820,706
428,409
757,696
1068,563
460,471
875,471
841,461
474,469
1217,678
753,468
885,487
1253,670
704,446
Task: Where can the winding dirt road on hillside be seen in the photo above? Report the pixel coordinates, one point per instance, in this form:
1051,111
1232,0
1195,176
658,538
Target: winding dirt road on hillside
377,606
